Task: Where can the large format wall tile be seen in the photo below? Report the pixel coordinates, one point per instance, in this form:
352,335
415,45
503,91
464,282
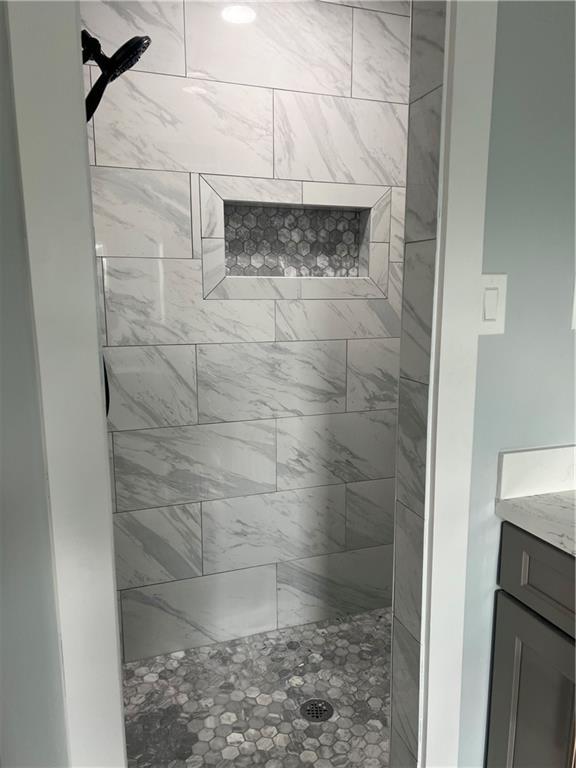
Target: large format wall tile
405,677
417,310
326,138
86,75
156,467
423,163
290,45
336,319
179,124
373,366
370,513
397,217
411,469
159,301
408,553
336,448
381,56
156,545
334,585
272,527
151,386
201,611
141,213
254,381
115,22
427,49
400,755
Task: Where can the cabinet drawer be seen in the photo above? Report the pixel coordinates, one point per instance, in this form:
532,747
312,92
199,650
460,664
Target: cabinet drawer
539,575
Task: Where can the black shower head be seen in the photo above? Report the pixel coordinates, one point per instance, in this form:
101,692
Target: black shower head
111,66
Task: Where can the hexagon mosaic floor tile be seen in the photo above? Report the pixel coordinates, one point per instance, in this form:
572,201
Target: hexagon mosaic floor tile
238,703
291,242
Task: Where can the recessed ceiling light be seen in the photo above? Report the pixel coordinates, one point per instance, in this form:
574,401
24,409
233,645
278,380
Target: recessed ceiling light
238,14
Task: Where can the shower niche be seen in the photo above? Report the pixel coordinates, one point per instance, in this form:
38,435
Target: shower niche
286,241
271,238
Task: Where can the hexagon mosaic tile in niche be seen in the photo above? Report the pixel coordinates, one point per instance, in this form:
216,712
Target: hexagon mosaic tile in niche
237,704
277,241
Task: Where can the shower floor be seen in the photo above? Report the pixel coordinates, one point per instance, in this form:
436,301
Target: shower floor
238,703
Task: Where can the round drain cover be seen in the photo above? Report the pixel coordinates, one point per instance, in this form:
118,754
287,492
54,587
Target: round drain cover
317,710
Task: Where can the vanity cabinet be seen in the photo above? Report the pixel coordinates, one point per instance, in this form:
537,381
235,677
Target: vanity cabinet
531,721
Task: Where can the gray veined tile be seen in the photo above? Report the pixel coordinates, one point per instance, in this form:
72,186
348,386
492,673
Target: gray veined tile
373,369
381,66
395,283
100,303
400,755
212,211
370,513
256,190
157,545
196,217
159,301
411,469
141,213
408,554
272,527
111,468
289,45
115,22
336,319
427,48
334,585
335,448
379,265
251,381
86,74
346,195
397,217
213,263
405,685
151,386
380,219
417,305
423,162
326,138
174,465
194,612
148,121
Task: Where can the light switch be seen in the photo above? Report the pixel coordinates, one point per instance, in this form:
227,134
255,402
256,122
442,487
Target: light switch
493,304
490,304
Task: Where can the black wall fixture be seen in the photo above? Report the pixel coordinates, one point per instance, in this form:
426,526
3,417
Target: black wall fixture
111,67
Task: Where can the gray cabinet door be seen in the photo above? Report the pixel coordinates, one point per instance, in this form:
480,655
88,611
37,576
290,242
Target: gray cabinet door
531,721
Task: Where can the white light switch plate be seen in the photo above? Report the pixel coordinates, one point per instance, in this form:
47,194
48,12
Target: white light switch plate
493,307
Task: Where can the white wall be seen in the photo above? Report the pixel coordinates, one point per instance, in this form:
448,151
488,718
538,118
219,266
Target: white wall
525,379
51,134
32,725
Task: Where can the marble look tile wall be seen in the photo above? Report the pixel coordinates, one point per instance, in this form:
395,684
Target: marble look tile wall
254,437
424,123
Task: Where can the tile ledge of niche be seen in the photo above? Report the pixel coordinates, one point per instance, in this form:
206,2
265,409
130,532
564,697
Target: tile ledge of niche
231,287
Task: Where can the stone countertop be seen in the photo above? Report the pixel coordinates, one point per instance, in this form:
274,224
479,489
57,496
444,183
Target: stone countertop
549,516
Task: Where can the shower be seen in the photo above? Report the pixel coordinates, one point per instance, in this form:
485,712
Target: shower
111,66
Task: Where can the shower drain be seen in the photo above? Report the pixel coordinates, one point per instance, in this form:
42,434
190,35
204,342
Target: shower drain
316,710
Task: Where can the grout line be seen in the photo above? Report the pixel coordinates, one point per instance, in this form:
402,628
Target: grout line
250,495
256,420
255,567
268,341
215,81
346,377
423,96
258,178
